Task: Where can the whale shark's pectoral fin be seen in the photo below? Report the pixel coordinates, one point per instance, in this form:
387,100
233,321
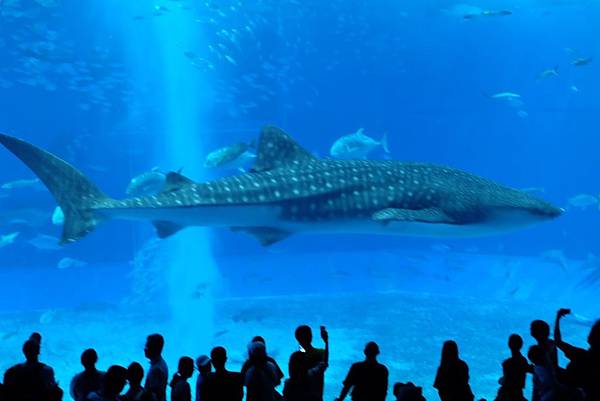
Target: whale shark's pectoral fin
433,216
265,235
176,181
165,229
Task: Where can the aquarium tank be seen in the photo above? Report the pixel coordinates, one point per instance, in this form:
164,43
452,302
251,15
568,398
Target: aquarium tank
404,172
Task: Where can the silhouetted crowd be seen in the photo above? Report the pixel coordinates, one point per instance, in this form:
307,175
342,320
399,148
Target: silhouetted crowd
261,375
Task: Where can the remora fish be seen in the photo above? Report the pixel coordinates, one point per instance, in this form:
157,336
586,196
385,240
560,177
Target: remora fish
290,191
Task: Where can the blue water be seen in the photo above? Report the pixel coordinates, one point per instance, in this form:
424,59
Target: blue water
117,87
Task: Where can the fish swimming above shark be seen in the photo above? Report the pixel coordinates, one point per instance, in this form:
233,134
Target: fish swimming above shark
290,191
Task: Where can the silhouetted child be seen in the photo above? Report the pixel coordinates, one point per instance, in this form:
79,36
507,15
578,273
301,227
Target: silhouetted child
583,371
135,375
314,356
408,392
452,379
113,384
204,369
304,384
180,388
223,385
158,374
368,380
540,331
514,371
261,378
89,380
247,364
545,384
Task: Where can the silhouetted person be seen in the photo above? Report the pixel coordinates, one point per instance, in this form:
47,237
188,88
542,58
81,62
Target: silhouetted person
304,383
135,375
261,378
113,384
314,355
204,369
223,385
180,388
368,380
32,380
540,331
158,373
514,371
89,380
583,370
408,392
246,365
452,379
545,384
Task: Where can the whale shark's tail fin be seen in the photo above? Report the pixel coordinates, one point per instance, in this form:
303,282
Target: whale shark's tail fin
74,193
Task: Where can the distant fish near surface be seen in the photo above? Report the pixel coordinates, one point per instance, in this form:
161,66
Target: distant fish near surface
238,156
58,217
289,191
583,201
8,239
21,184
556,256
148,183
550,72
45,242
487,13
574,88
68,263
581,61
357,146
505,95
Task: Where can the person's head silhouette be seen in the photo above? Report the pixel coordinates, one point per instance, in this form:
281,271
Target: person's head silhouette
594,337
304,336
218,357
449,352
371,350
185,368
114,380
515,343
135,374
154,346
540,331
31,350
89,357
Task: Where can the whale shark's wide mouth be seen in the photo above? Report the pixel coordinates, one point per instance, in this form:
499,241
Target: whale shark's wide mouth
548,211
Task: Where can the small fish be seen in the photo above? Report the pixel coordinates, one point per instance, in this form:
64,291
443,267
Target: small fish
357,146
21,184
581,61
496,13
582,201
148,183
236,156
505,95
8,239
68,263
574,88
540,190
58,217
556,256
550,72
48,316
45,242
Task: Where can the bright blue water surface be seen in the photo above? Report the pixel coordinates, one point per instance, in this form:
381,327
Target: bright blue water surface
117,87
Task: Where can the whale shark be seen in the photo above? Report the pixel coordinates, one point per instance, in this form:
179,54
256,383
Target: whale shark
291,191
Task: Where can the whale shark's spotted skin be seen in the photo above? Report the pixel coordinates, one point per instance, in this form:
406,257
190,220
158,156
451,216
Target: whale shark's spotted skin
290,190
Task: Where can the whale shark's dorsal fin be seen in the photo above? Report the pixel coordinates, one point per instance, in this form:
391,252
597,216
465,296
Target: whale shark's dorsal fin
278,149
175,181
